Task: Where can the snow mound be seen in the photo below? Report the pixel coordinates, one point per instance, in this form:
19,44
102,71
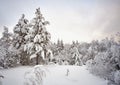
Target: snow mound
55,75
34,76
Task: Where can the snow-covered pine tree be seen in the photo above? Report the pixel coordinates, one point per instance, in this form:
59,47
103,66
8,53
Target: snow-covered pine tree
38,38
60,45
4,45
53,48
6,35
6,55
20,31
75,55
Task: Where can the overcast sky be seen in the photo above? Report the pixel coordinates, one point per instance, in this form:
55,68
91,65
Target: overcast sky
82,20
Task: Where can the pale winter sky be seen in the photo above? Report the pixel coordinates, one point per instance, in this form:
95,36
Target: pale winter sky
82,20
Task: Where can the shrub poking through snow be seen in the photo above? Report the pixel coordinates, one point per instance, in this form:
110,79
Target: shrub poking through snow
1,77
34,76
117,77
67,72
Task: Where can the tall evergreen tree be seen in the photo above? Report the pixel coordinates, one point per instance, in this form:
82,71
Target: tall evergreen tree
7,58
20,31
60,45
38,38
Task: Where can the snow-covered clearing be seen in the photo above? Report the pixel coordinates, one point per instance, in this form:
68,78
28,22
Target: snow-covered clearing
55,75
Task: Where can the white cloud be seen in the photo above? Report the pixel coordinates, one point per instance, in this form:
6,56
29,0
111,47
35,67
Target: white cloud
81,20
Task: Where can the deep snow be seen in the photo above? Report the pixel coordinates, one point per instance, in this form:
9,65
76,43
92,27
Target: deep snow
55,75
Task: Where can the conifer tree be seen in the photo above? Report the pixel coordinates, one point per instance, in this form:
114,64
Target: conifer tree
38,38
20,31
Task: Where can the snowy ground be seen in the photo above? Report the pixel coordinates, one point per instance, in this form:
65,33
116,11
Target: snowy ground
55,75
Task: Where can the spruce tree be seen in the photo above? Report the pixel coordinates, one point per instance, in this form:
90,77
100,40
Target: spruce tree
20,31
38,38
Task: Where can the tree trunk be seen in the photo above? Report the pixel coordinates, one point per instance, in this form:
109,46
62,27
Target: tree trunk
37,61
28,60
45,56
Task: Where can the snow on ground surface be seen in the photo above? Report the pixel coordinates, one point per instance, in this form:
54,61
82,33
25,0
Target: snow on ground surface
55,75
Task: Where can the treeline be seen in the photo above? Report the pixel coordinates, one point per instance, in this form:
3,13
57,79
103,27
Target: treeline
101,57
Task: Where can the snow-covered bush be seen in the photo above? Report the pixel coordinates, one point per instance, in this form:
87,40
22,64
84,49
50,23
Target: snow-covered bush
117,77
35,76
99,66
106,63
8,57
91,51
83,49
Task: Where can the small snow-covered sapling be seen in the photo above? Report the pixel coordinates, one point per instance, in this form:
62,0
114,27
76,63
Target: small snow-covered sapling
67,72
